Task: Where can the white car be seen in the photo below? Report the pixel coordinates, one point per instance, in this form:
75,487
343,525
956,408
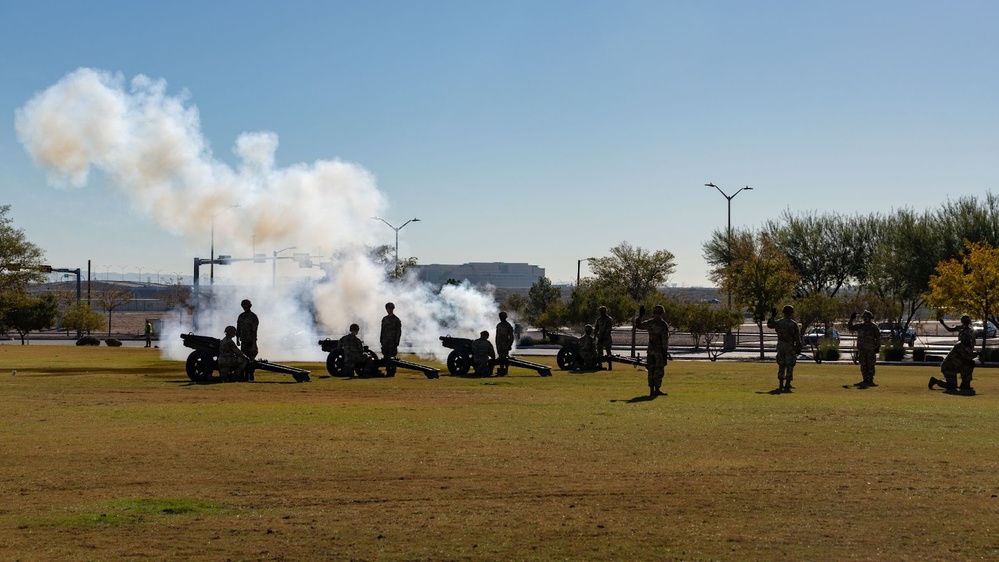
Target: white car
981,329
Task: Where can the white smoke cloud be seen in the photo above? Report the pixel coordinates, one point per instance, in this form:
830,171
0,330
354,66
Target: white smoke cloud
150,146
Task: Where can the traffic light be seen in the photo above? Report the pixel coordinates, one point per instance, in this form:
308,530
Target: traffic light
224,260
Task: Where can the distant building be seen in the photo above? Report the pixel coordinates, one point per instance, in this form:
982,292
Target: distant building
498,274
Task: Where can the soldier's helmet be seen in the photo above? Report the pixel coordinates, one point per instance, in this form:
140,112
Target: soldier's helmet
484,334
788,309
246,303
502,315
966,319
868,314
588,329
355,328
659,309
602,309
389,306
230,330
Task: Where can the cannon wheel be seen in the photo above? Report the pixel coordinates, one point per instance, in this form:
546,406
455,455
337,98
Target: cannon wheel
334,363
566,359
200,365
372,366
458,363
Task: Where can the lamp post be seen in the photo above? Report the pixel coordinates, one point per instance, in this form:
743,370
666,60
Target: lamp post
396,229
211,269
579,263
274,263
107,273
729,198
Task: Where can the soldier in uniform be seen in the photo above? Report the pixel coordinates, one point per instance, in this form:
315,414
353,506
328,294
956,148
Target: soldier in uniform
868,345
148,331
959,361
354,359
391,332
482,353
587,350
603,327
658,346
788,345
966,336
246,333
232,361
504,343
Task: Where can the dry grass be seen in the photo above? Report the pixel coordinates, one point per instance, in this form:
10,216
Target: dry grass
110,453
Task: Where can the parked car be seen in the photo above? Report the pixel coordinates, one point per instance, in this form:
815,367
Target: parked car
890,331
982,330
815,336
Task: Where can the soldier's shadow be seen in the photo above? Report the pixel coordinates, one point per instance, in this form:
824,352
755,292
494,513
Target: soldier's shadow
637,399
774,392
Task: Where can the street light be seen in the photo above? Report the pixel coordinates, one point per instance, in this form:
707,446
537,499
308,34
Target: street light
396,238
578,264
729,198
211,272
274,264
107,273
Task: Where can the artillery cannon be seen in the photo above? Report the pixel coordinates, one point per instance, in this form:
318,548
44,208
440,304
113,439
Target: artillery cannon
459,361
568,355
203,361
335,363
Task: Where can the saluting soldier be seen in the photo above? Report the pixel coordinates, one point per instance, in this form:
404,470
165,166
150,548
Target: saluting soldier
788,345
658,347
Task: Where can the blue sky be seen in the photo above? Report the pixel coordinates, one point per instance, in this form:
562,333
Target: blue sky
541,132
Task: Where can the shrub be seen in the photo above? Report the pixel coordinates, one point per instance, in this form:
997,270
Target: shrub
829,351
891,353
88,340
919,354
992,354
527,341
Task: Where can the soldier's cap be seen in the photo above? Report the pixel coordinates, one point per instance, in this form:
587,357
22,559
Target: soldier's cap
389,306
230,329
658,309
788,309
602,309
588,328
502,314
484,333
867,314
354,328
966,319
246,302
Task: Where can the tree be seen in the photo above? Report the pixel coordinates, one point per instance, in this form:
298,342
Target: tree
587,297
541,295
25,314
905,256
82,318
638,272
704,321
20,260
827,251
111,297
179,297
968,219
385,255
759,276
969,285
515,303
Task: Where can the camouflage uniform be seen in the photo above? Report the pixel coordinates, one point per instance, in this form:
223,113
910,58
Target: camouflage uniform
602,327
390,335
868,346
232,362
354,358
246,334
959,361
482,353
656,352
504,342
587,351
788,347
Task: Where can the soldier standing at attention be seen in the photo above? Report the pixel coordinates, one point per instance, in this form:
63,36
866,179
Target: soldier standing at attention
658,346
391,332
246,334
603,327
868,345
482,353
788,345
504,343
148,331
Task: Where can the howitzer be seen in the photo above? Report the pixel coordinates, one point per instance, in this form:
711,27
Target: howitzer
459,361
203,361
568,355
372,367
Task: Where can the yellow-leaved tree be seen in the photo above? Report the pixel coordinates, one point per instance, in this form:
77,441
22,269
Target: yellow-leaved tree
969,285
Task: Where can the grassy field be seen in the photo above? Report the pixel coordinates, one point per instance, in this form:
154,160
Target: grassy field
112,454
